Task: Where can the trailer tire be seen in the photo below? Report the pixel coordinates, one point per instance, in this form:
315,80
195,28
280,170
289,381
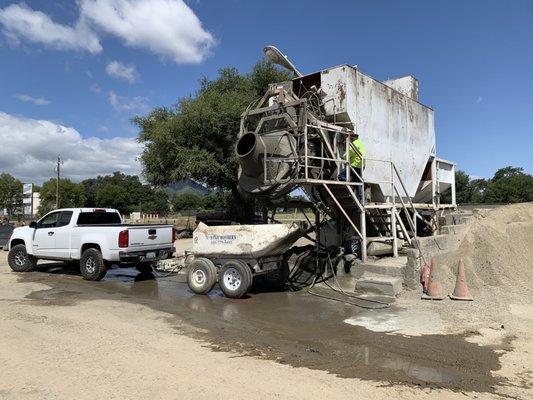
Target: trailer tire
235,279
277,278
201,275
19,260
92,265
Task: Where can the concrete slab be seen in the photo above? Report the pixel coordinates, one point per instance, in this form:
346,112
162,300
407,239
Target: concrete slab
387,285
388,266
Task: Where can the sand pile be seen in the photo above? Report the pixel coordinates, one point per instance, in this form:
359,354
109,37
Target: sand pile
498,250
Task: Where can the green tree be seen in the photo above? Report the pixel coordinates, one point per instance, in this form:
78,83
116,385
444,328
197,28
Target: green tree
10,193
132,194
153,200
111,195
510,185
70,195
187,200
477,188
196,138
462,187
213,200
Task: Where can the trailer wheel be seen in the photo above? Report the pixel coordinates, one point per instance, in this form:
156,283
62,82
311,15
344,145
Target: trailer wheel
201,275
19,260
235,279
92,265
277,278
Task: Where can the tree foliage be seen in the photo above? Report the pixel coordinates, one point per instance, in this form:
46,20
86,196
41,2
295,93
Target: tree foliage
124,192
70,195
195,139
10,193
187,200
508,185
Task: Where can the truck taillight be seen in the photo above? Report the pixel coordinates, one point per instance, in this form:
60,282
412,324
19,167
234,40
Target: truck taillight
124,238
174,235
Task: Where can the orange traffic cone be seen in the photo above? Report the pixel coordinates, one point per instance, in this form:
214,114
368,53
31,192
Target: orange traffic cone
461,289
434,288
424,277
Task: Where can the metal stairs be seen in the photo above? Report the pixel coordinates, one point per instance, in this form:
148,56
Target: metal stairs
379,222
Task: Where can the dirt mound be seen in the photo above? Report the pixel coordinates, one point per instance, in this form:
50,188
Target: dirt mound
498,249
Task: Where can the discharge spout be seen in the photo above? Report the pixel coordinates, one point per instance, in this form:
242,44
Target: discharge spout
265,162
250,151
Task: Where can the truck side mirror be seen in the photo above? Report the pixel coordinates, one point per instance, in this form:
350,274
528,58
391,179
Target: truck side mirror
33,224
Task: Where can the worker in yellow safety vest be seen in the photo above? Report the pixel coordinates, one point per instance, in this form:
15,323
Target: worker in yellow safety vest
355,158
356,153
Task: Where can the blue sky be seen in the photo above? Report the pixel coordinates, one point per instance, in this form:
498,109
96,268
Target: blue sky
87,71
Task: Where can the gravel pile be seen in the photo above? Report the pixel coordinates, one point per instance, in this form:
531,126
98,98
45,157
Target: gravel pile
497,250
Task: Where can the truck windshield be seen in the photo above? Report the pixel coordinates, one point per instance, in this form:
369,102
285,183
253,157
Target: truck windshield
98,218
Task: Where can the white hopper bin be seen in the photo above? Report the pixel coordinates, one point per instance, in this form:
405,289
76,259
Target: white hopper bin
233,254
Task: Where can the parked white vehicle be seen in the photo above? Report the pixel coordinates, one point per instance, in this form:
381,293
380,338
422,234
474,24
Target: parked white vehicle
93,237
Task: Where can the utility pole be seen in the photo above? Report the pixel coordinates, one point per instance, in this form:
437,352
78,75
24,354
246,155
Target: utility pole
58,169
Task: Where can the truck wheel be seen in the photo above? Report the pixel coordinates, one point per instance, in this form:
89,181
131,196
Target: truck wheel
201,275
19,260
92,265
235,279
277,278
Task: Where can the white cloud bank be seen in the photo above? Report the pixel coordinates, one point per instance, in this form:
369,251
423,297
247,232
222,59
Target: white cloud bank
168,28
30,148
21,22
38,101
118,70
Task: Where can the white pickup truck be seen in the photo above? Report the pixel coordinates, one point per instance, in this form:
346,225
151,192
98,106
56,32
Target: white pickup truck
94,237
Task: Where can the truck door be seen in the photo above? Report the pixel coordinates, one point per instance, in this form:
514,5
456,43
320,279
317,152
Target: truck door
44,240
62,235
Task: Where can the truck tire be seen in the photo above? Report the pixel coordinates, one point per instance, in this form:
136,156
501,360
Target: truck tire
19,260
201,275
235,279
92,265
277,278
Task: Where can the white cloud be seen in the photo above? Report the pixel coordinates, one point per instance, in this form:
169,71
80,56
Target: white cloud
118,70
103,128
123,103
168,28
21,22
30,147
38,101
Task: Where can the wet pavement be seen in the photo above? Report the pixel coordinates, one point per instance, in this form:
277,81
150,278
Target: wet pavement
292,328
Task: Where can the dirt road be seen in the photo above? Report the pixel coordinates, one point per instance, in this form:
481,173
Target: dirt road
132,336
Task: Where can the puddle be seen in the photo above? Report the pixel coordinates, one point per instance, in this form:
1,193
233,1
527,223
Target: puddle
406,365
405,322
296,329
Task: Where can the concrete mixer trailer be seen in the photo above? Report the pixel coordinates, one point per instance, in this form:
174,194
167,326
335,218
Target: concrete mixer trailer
297,135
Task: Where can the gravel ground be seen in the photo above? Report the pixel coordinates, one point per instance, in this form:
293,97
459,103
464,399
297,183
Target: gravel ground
64,338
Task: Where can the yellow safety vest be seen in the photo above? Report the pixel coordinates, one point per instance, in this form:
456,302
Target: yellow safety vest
355,159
